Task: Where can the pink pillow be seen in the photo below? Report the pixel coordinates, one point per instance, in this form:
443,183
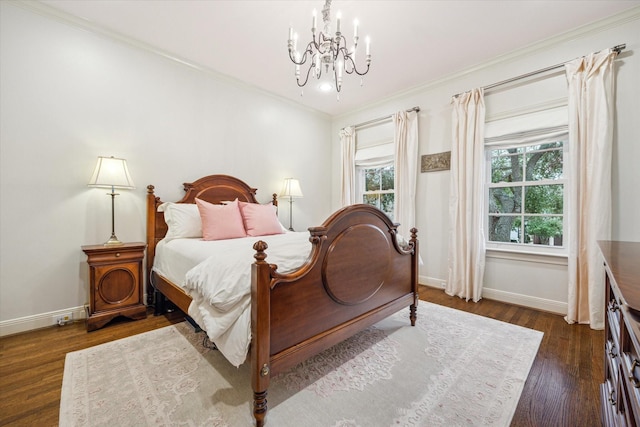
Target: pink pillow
220,221
260,220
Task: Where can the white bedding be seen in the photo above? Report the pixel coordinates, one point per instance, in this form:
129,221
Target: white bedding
217,276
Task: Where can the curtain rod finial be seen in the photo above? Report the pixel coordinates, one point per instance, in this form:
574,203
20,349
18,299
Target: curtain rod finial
619,48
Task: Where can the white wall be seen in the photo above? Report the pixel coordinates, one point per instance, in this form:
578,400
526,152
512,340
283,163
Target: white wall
69,95
537,284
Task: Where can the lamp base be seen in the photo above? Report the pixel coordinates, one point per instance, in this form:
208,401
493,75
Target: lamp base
113,241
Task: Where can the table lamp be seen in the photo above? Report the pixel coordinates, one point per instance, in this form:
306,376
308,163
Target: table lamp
111,172
290,190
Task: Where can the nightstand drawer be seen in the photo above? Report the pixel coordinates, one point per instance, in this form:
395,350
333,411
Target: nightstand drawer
116,256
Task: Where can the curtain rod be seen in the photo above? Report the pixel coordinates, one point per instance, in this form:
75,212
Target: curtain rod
617,49
381,119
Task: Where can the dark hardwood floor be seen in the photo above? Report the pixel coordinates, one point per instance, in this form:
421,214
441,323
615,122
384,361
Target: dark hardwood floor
562,388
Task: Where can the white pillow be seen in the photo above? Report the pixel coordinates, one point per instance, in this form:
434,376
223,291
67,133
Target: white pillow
183,220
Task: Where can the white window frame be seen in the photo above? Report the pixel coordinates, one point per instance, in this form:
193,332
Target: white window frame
360,173
374,153
536,124
528,248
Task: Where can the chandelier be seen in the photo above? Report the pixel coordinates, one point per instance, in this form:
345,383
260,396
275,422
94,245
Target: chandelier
327,52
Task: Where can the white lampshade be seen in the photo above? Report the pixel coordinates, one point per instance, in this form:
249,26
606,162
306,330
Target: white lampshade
291,189
111,172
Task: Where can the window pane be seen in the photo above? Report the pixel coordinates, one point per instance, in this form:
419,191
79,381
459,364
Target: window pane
504,229
387,178
387,202
372,199
544,199
506,165
372,179
545,162
505,200
543,230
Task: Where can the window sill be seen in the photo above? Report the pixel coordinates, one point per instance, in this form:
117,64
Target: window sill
528,256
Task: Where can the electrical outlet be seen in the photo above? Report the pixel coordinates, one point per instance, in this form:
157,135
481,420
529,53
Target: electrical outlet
63,318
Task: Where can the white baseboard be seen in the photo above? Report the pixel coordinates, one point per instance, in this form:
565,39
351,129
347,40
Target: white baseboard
38,321
43,320
432,282
551,306
557,307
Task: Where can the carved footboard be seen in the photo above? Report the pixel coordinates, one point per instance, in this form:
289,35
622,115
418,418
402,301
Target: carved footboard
356,275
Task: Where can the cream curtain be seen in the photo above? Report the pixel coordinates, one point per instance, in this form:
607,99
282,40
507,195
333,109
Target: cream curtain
406,170
466,198
591,115
348,145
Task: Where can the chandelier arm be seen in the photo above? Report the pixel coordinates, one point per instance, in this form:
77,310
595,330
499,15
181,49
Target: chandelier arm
303,59
339,50
305,80
354,67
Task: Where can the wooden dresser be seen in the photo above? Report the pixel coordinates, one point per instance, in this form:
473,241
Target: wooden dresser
620,392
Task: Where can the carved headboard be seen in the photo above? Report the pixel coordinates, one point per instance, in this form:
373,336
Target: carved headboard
212,188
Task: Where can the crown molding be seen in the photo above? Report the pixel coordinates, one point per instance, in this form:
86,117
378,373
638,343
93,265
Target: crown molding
575,33
605,24
62,17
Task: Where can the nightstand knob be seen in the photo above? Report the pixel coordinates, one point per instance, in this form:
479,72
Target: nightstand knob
117,254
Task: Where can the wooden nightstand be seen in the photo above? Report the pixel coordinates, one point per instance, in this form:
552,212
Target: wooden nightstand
115,283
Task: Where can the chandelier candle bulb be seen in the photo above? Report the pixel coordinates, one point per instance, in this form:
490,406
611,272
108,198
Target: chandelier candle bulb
313,25
355,30
338,17
368,50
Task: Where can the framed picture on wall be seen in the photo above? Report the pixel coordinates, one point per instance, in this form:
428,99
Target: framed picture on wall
436,162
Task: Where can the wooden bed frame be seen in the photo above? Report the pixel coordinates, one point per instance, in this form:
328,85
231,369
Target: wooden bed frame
356,275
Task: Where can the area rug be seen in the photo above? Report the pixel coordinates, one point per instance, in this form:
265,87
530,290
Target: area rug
452,369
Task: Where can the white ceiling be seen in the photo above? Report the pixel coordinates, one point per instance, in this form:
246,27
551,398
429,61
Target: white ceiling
412,42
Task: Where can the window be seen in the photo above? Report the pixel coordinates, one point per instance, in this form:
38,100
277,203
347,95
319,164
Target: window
379,188
374,167
526,194
527,180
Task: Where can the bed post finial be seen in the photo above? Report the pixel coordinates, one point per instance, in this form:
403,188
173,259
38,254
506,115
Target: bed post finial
260,247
